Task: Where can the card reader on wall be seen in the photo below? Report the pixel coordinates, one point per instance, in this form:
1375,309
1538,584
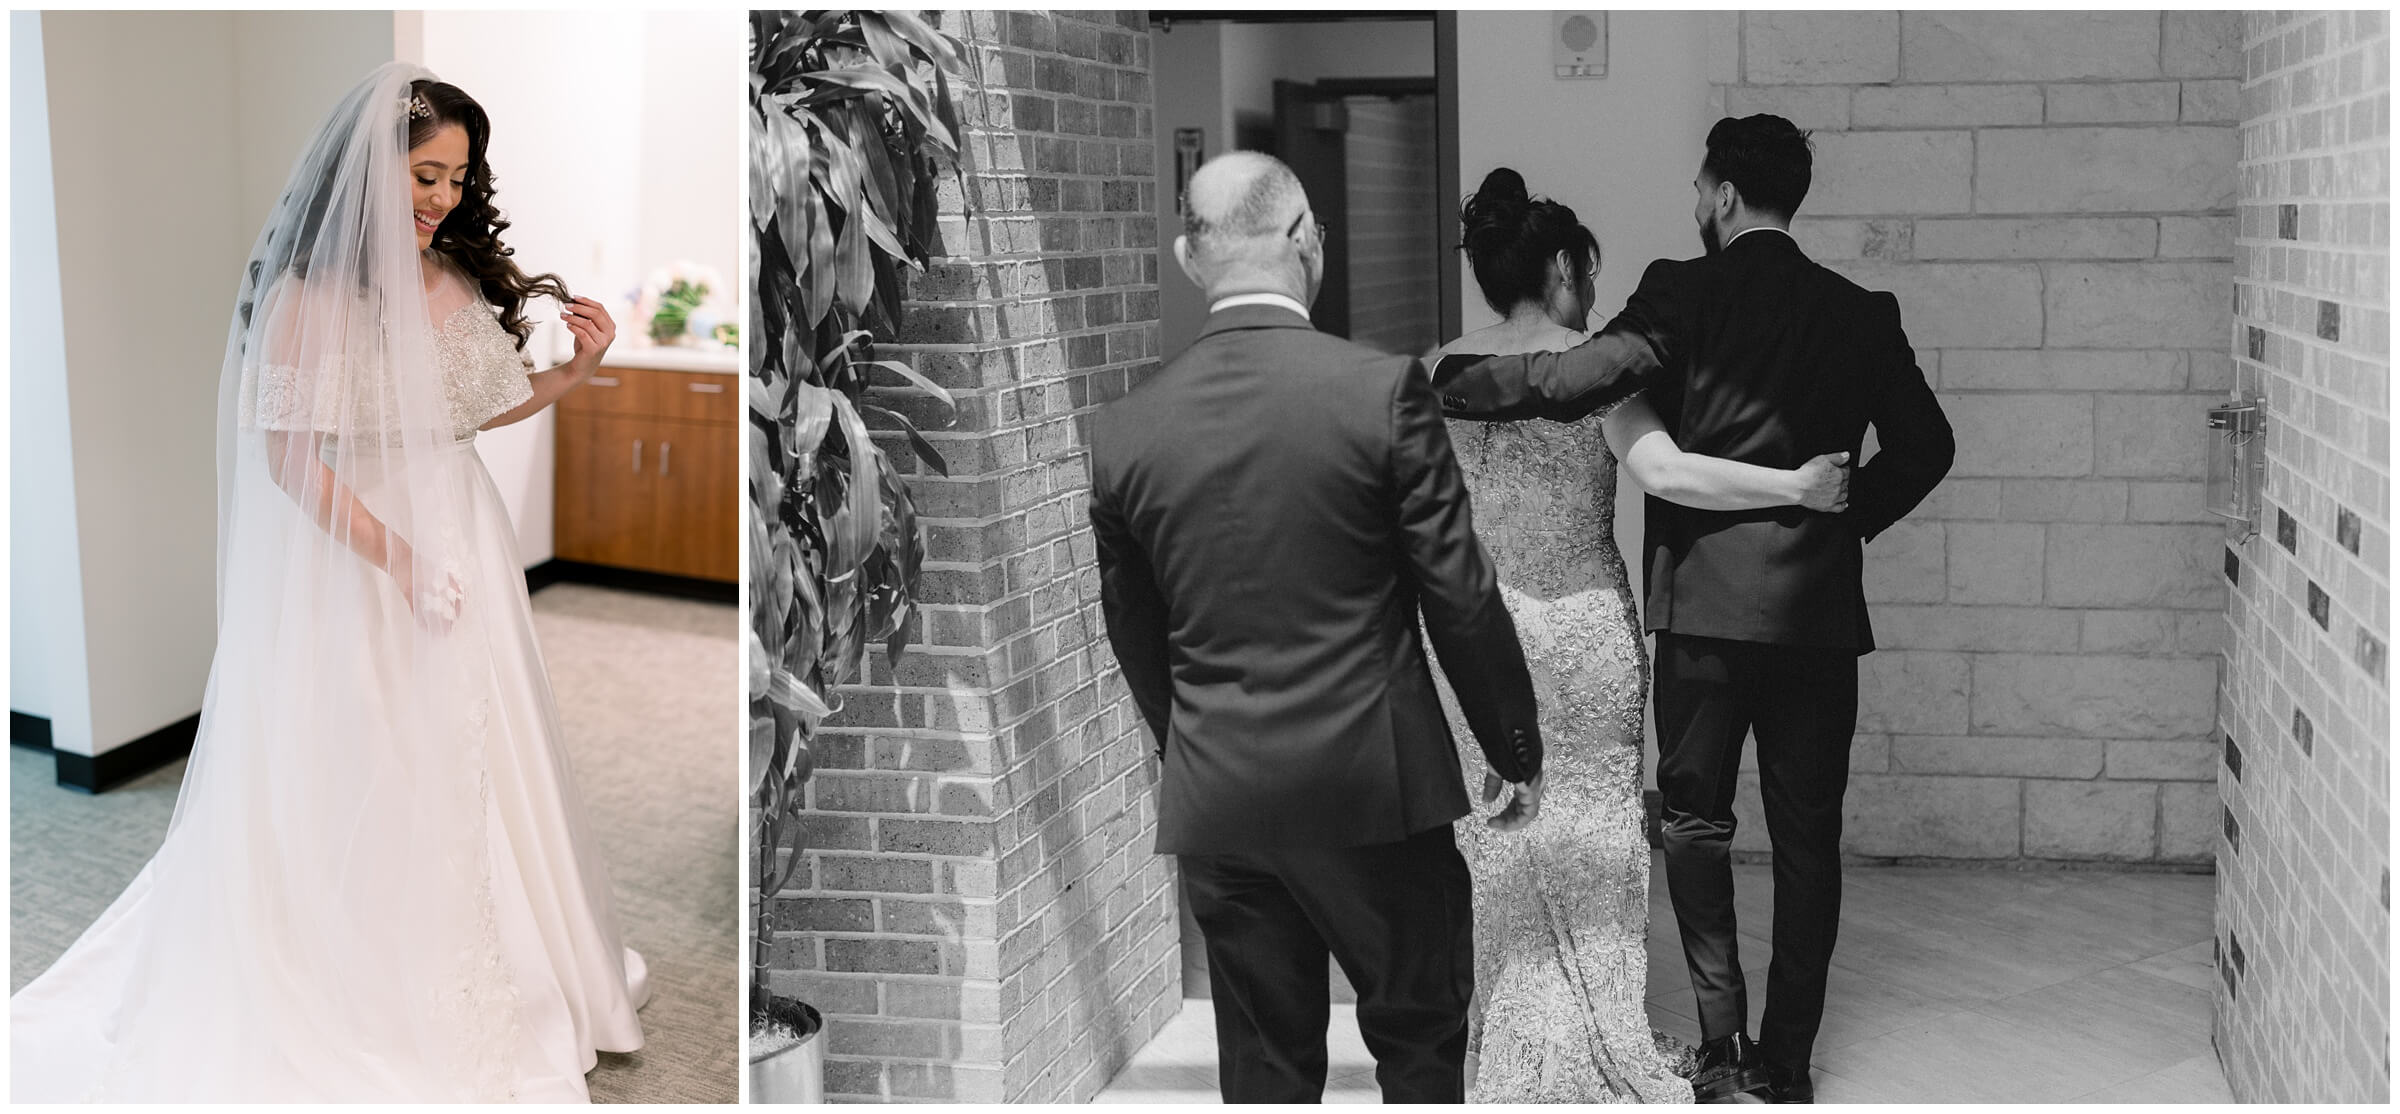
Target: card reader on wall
2237,465
1579,44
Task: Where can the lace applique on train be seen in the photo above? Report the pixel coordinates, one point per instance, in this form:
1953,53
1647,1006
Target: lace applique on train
1562,906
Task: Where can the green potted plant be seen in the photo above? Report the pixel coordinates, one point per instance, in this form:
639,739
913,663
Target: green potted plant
673,299
851,127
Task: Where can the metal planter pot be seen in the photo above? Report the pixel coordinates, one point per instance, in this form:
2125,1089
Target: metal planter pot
795,1073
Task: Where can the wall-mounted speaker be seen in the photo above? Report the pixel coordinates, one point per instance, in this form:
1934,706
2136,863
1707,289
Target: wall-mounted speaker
1579,44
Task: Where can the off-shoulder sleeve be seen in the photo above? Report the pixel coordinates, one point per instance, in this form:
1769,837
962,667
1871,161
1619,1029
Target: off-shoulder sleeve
301,370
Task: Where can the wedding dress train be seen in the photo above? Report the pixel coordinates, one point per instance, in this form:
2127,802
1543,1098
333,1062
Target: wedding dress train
1562,905
361,897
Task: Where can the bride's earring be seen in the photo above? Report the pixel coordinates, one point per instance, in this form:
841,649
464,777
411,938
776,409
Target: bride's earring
1562,289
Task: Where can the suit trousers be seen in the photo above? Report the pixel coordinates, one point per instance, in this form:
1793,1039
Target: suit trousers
1802,704
1396,916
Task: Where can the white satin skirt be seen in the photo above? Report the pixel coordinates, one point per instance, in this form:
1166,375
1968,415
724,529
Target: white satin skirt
379,884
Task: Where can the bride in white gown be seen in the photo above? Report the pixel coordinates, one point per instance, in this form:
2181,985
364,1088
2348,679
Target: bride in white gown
378,884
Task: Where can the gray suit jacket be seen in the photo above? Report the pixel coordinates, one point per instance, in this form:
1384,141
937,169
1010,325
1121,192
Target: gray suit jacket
1273,510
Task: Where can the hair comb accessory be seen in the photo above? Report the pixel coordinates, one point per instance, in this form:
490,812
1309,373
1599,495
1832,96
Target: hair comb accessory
417,108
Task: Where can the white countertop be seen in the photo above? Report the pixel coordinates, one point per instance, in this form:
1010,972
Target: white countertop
716,358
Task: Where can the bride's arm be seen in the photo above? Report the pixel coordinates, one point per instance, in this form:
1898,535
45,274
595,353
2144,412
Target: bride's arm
593,330
549,386
295,464
1710,483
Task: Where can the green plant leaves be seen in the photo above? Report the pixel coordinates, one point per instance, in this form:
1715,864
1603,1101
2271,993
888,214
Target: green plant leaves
852,126
864,79
852,526
944,51
915,378
926,453
810,414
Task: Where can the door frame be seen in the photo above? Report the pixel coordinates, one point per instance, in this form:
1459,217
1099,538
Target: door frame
1448,273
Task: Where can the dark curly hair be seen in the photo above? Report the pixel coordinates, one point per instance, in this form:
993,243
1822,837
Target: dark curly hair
469,236
1510,238
1766,158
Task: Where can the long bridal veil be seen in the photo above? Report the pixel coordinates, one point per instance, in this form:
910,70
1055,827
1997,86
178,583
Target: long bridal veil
320,914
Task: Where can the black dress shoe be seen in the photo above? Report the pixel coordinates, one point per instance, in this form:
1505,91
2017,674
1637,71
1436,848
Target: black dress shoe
1789,1084
1729,1066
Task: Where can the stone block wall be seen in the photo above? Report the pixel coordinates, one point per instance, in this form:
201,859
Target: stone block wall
2051,196
981,918
2303,838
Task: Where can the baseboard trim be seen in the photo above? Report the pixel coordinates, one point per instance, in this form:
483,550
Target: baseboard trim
559,570
99,773
28,730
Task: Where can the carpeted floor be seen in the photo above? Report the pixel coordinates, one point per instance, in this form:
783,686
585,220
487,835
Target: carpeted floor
650,691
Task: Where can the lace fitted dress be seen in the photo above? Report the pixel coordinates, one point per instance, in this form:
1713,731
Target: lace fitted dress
1562,905
185,989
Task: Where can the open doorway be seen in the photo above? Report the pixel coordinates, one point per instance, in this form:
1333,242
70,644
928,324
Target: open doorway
1364,150
1358,106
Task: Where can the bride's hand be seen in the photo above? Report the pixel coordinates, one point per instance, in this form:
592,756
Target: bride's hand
437,600
1523,808
1825,483
434,597
594,331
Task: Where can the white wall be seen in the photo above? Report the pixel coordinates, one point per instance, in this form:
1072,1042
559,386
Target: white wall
288,69
1620,150
46,671
616,150
694,149
159,186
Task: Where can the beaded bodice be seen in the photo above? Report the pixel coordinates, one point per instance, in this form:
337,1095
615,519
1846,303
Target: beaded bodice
483,377
1545,503
1544,496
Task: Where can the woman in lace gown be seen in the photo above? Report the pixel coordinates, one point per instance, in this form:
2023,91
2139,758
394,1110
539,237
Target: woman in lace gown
1562,903
378,884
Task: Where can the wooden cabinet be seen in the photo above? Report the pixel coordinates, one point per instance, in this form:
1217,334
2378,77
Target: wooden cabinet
648,472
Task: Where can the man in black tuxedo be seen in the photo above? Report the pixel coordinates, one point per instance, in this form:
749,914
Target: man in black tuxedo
1273,511
1752,353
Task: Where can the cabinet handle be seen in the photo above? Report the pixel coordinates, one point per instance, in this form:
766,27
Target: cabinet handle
637,454
664,448
602,380
705,388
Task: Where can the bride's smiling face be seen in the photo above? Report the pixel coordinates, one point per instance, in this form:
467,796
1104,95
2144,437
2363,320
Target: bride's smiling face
437,177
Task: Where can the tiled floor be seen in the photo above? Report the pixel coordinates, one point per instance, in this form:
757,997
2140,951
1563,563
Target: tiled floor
1947,986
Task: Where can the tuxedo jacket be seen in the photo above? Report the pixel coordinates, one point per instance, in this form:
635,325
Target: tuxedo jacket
1756,354
1273,510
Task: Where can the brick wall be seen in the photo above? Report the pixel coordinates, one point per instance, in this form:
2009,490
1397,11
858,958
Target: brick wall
2050,194
2304,906
981,918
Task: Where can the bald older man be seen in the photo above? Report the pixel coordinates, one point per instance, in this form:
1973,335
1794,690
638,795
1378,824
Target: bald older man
1273,511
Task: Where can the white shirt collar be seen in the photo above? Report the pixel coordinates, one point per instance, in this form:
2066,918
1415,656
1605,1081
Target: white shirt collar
1758,228
1263,298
